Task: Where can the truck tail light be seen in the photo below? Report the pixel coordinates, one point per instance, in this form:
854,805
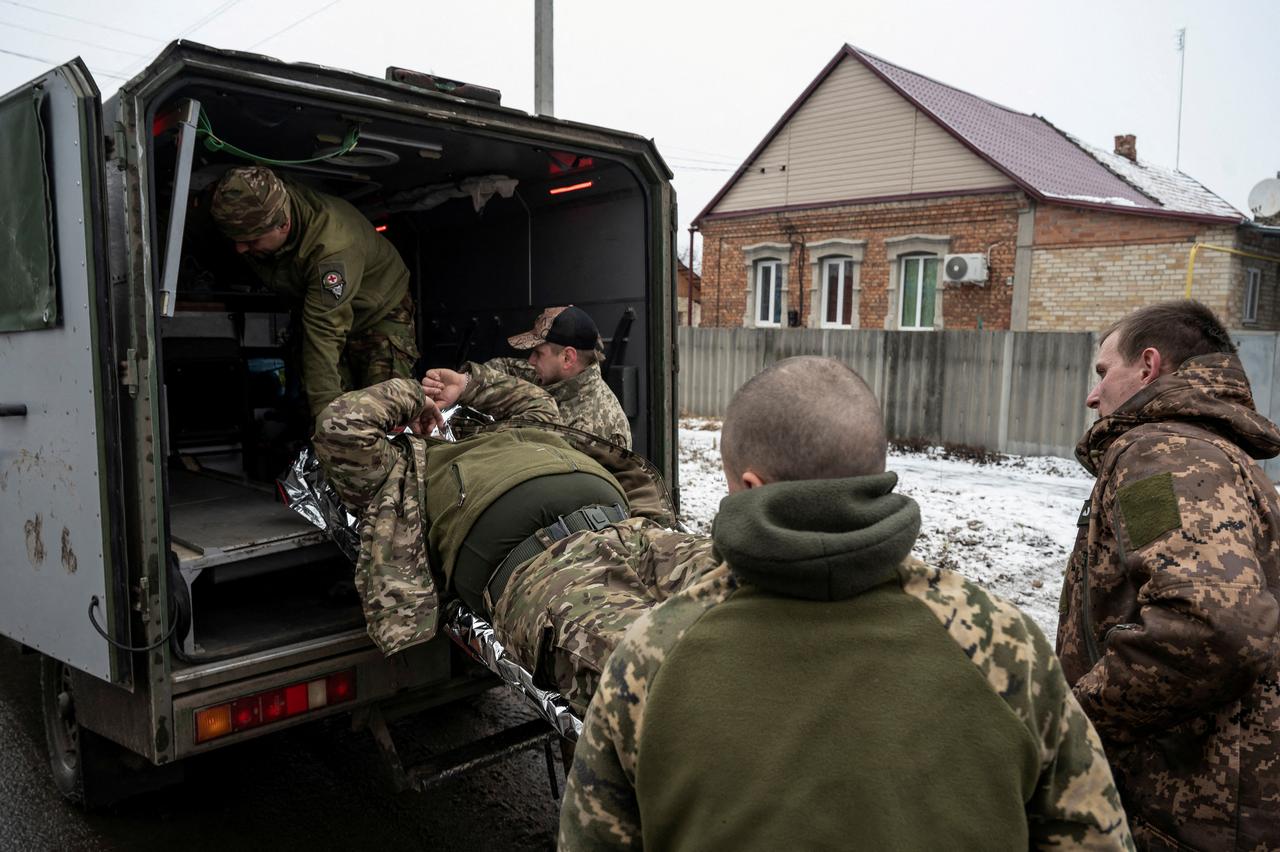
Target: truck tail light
274,705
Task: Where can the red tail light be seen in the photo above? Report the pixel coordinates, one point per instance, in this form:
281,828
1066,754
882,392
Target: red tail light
341,687
274,705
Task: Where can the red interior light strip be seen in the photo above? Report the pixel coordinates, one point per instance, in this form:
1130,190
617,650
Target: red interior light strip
573,187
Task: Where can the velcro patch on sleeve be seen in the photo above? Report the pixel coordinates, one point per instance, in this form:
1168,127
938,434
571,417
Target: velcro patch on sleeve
333,277
1149,508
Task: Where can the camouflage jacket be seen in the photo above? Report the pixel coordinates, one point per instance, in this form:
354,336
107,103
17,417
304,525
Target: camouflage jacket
385,480
585,401
344,275
1168,631
563,613
894,704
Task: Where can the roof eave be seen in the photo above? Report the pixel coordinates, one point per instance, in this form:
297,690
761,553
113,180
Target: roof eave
1157,212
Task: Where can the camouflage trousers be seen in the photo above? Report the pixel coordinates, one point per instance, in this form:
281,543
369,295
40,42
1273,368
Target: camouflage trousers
386,350
563,612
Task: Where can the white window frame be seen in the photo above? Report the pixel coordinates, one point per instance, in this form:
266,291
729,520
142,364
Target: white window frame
774,295
752,256
919,285
1252,288
844,267
896,250
843,248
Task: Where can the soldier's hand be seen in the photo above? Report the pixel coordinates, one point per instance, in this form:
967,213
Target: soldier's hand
444,386
429,418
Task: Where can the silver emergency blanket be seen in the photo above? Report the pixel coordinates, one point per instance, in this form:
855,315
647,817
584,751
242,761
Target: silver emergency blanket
477,638
308,493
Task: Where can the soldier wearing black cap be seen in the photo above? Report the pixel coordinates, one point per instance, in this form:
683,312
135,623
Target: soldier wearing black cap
347,280
565,353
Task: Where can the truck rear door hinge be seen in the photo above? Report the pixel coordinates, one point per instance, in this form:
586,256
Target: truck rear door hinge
129,372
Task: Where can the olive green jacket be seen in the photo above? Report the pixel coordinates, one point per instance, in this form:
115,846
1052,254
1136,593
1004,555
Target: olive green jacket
343,274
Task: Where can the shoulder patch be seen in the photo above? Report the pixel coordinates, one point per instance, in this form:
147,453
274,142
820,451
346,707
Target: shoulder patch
333,277
1149,508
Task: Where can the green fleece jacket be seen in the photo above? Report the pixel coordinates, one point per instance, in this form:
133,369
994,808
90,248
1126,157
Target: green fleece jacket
821,690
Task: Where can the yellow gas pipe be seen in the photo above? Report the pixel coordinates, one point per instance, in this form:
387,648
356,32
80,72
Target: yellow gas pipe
1191,259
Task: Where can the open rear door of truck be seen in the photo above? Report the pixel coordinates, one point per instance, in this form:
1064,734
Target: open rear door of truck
61,542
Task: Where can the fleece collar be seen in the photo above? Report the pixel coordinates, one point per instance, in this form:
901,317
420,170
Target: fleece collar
821,539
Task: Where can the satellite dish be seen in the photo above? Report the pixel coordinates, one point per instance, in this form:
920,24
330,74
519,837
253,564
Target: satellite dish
1264,199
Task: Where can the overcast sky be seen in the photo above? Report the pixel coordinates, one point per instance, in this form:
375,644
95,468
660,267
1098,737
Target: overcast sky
708,78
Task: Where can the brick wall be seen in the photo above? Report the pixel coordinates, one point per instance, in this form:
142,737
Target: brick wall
973,222
1091,267
1268,298
1088,267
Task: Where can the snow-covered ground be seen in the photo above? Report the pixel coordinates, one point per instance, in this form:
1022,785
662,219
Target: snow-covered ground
1008,525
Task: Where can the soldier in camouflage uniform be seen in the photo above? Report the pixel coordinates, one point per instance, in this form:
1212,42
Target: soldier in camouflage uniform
325,257
562,612
565,611
1168,631
821,690
565,354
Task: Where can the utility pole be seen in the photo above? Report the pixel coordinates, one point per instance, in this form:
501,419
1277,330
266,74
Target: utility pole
1182,67
543,59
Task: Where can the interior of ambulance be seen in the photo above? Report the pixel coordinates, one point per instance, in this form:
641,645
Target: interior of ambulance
492,229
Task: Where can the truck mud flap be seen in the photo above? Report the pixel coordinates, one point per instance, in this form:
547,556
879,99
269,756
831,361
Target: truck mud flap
464,759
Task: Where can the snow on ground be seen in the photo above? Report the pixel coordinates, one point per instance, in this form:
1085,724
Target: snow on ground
1007,524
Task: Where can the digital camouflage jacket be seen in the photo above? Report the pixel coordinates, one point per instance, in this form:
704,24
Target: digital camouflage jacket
344,276
820,690
388,481
564,612
1168,631
585,401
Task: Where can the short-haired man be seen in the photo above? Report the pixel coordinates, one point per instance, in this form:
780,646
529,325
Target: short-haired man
322,254
1168,632
821,690
565,354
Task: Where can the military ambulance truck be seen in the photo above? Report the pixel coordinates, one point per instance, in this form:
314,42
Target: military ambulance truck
149,397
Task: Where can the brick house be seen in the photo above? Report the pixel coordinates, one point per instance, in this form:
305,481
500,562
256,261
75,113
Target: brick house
688,295
846,213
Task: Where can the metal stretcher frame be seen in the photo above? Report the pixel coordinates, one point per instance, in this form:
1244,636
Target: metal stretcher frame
478,639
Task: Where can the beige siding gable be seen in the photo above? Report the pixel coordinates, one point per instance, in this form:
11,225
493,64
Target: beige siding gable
855,137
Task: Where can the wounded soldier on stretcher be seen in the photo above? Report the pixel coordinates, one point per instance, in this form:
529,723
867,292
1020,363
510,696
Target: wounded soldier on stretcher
558,538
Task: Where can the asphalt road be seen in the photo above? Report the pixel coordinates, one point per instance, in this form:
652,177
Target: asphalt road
317,786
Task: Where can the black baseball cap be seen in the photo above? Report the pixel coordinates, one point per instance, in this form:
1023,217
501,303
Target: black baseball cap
565,326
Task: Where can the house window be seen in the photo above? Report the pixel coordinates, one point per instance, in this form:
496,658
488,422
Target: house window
768,292
837,292
919,291
1252,284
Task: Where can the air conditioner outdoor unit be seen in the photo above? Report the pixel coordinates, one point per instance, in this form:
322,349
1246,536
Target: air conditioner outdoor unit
965,268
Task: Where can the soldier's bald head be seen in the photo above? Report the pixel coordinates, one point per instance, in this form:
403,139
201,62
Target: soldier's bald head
803,418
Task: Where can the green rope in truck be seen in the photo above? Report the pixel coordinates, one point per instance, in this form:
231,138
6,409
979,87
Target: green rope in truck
215,144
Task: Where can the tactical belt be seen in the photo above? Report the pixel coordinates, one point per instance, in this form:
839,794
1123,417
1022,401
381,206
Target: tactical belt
592,518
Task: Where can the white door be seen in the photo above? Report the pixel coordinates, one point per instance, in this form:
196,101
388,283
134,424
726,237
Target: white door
59,544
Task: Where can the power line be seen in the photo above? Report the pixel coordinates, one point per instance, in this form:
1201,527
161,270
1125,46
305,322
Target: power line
80,20
69,38
216,13
28,56
209,18
295,23
55,62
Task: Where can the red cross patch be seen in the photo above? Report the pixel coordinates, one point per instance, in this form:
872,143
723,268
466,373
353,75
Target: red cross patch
334,283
